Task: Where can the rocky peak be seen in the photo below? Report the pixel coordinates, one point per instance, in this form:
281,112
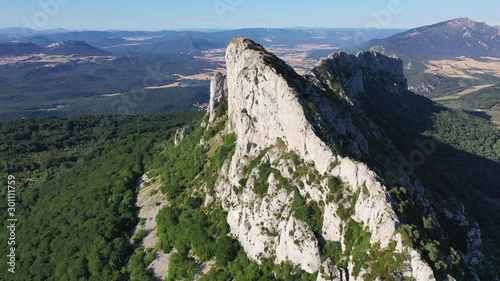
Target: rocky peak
469,28
340,69
352,75
66,43
314,142
383,71
275,113
254,54
463,22
264,104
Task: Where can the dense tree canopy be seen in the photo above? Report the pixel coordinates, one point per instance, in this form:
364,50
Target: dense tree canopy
76,193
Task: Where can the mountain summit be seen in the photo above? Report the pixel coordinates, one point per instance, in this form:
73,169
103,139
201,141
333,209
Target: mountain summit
457,37
313,179
73,47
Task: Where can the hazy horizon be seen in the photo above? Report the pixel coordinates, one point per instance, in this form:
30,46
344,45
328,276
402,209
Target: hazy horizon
230,29
155,15
199,29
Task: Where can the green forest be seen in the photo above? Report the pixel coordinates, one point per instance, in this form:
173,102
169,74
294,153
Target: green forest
77,180
76,200
76,190
463,167
484,103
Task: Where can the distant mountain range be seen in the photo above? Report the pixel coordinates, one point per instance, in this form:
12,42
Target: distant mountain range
19,49
175,42
457,37
451,62
28,31
452,38
64,48
451,58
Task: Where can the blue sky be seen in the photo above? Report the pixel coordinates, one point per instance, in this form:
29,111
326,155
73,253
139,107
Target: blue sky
230,14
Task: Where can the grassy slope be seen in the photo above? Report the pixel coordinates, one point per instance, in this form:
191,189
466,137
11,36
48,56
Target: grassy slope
484,103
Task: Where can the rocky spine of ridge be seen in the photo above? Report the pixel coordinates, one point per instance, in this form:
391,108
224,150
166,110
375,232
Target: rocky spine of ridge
274,111
376,78
354,72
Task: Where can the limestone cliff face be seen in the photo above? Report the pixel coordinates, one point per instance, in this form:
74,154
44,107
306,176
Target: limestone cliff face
367,69
275,112
263,105
377,65
218,93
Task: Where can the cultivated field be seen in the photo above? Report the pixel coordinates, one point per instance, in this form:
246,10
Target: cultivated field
296,57
463,93
464,67
50,60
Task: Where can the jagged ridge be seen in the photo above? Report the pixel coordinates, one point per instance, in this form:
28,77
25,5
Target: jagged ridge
313,180
275,112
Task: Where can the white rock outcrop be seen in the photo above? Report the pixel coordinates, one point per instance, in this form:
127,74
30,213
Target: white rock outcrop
180,135
266,103
218,93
